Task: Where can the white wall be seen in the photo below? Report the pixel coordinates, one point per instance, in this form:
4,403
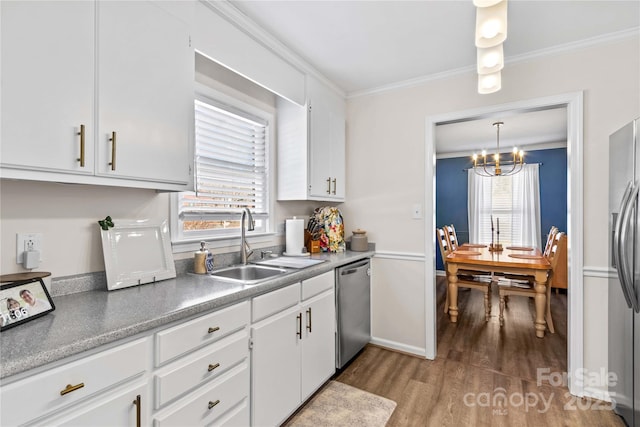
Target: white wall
385,158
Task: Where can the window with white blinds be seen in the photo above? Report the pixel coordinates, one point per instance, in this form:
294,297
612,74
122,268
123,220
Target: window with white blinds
511,202
231,172
502,204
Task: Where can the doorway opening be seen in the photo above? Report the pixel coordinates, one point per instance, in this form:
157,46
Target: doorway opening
571,105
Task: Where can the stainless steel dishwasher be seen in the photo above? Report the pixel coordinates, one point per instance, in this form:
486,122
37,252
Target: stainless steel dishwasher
353,303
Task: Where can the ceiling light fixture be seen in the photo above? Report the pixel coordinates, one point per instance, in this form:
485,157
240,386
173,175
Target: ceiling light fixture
481,168
491,32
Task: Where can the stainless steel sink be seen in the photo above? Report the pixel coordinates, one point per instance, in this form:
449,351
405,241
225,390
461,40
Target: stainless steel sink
248,274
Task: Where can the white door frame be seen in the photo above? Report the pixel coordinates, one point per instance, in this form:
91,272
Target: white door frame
573,102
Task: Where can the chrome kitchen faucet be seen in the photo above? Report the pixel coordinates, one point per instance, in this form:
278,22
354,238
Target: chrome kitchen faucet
245,249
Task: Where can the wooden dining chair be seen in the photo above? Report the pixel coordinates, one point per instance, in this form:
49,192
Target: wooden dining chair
553,231
550,238
522,287
450,232
466,278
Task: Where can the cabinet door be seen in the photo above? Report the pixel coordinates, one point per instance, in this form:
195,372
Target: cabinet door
318,342
47,84
337,162
275,375
145,93
326,143
320,184
116,409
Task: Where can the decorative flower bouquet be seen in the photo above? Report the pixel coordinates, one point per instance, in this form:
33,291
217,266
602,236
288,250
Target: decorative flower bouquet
332,231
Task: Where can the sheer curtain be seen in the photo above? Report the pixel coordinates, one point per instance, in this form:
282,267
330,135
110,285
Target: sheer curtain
514,201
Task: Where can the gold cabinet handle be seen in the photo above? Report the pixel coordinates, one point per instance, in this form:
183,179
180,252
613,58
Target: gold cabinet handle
138,403
214,329
299,330
309,319
329,185
69,388
81,158
113,151
212,367
212,404
335,186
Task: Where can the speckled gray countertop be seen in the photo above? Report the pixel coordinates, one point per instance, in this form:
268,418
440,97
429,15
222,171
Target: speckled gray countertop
86,320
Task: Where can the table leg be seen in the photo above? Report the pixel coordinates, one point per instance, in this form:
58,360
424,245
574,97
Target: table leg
541,302
452,269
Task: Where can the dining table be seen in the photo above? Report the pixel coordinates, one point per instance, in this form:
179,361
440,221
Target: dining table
516,260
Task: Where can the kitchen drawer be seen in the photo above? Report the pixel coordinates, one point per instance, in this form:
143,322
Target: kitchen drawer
191,371
315,285
36,396
180,339
210,403
274,302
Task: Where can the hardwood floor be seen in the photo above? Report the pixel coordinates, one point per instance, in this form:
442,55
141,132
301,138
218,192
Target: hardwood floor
483,375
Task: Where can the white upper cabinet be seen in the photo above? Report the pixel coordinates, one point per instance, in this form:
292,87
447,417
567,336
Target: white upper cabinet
311,146
145,92
138,83
47,85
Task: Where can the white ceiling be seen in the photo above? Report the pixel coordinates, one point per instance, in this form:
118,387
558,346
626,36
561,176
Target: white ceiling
363,46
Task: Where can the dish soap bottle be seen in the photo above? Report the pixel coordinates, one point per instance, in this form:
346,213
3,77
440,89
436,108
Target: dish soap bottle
199,260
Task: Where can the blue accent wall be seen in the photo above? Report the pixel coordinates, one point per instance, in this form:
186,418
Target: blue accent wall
451,193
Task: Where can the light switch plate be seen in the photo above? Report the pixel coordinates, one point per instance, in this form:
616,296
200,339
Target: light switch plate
24,241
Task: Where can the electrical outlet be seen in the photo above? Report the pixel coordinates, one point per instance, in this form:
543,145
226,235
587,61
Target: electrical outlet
26,242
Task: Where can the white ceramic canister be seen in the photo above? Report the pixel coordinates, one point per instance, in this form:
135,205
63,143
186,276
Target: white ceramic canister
359,241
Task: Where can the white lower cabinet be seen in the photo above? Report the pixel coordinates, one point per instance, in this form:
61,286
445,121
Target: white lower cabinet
293,351
221,402
318,342
128,406
275,360
207,379
92,381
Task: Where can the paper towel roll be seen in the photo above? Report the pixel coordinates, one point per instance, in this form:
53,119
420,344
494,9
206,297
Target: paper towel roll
294,230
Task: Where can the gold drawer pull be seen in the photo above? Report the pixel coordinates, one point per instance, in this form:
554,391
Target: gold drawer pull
212,367
212,404
81,134
69,388
138,403
113,151
212,330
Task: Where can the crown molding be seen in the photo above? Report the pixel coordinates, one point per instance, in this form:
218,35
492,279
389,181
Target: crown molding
564,48
235,16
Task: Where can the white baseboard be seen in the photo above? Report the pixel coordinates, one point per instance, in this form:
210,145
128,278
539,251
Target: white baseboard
596,393
393,345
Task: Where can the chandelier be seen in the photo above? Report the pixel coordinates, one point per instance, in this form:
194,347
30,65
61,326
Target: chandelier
481,165
491,32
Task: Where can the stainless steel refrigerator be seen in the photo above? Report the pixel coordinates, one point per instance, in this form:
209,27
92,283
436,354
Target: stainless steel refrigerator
624,286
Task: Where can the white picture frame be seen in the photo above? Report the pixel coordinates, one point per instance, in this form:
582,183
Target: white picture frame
137,252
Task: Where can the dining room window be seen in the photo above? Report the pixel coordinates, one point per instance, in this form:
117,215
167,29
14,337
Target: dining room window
512,202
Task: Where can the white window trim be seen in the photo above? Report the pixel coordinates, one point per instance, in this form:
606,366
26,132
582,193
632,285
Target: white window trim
193,243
